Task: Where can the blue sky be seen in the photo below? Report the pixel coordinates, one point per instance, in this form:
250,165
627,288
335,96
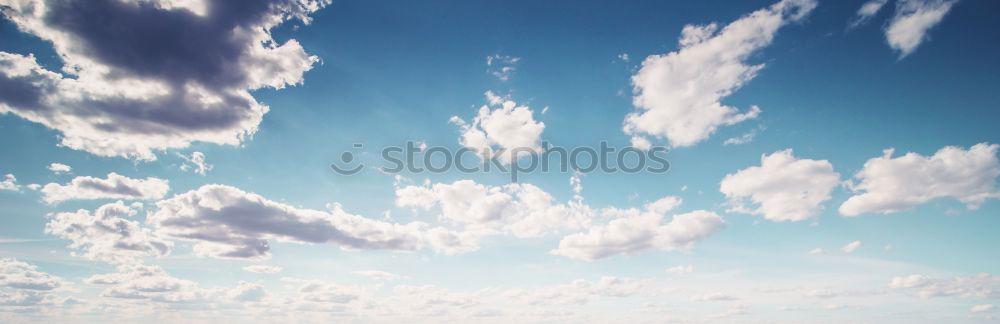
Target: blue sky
219,126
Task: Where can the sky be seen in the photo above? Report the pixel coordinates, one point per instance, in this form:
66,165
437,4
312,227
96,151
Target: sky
176,161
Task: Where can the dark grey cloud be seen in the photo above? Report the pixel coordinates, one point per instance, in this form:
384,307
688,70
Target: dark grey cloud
19,92
141,76
227,222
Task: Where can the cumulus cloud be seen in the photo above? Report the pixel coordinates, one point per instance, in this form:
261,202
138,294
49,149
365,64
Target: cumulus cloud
911,22
866,12
981,286
59,168
262,269
226,222
888,185
501,129
21,275
635,230
678,95
10,183
108,234
526,211
783,187
502,66
523,210
378,275
452,242
115,186
195,163
851,247
23,287
129,86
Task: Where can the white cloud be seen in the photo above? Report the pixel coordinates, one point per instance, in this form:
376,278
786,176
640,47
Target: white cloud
247,292
502,129
502,66
911,281
783,187
834,306
316,291
851,247
378,275
816,251
24,298
429,296
452,242
743,139
195,162
576,183
25,289
982,308
108,234
913,19
678,95
151,283
115,186
714,297
262,269
637,230
226,222
21,275
523,210
641,143
120,94
526,211
59,168
981,286
578,291
866,12
888,185
427,301
822,293
681,269
9,183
